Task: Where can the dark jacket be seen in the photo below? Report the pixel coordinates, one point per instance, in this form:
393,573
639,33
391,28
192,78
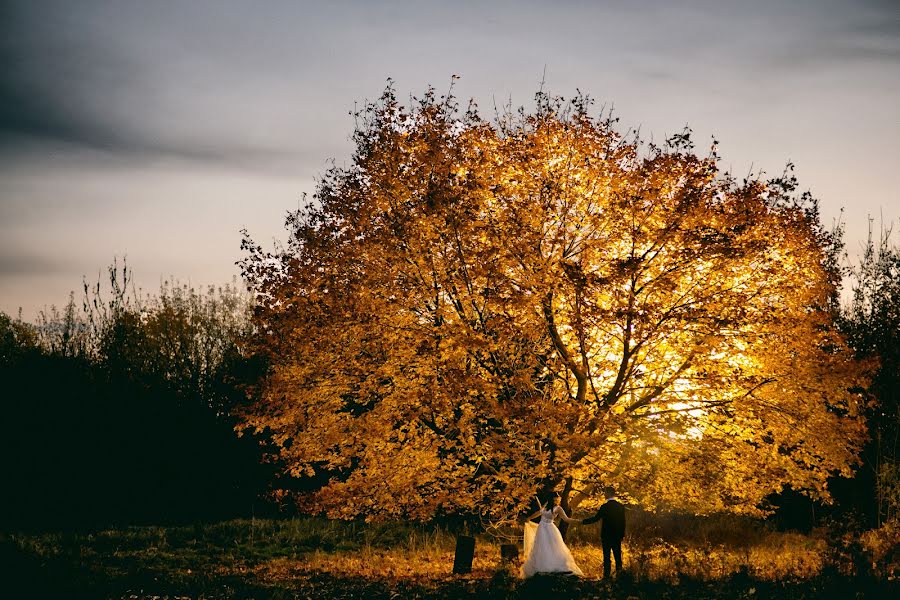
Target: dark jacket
613,515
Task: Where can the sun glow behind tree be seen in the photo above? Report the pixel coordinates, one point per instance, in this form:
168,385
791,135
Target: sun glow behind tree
475,311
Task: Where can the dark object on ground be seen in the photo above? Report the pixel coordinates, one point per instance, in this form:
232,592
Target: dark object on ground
465,552
509,553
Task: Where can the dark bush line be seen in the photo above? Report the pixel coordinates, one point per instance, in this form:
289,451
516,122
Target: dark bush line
119,411
85,447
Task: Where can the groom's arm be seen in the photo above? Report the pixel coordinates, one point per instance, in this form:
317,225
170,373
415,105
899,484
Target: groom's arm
590,520
595,518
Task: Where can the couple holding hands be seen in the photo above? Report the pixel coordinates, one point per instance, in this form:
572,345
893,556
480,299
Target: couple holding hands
545,549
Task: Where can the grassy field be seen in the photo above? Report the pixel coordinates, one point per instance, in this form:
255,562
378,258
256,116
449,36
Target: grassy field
315,558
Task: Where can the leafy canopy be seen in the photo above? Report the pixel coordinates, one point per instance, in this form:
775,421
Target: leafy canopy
473,311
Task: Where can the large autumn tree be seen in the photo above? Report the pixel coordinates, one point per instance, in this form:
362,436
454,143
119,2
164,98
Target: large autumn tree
473,311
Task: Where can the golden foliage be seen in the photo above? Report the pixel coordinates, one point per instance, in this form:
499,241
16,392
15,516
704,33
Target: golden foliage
473,311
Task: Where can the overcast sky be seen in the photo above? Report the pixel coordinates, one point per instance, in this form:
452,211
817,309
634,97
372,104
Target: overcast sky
157,130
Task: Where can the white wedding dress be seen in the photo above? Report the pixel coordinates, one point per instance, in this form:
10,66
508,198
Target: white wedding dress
545,550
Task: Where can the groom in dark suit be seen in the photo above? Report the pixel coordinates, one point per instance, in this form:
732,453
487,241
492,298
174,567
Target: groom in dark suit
611,531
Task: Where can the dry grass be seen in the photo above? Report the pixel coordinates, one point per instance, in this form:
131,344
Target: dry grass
780,556
784,556
260,557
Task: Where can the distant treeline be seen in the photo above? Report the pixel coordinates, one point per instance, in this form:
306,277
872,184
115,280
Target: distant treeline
121,409
871,322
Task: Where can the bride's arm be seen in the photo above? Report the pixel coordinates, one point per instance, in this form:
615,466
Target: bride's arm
562,513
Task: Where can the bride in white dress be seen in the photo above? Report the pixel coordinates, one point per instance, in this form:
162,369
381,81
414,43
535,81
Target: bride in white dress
545,550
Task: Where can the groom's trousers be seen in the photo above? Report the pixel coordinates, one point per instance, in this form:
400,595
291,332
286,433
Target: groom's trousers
613,546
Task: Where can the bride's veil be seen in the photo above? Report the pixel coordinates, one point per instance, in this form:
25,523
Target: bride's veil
530,531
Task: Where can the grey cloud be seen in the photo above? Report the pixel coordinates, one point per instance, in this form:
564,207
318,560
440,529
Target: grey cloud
887,27
65,84
36,111
867,31
50,84
876,52
13,262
